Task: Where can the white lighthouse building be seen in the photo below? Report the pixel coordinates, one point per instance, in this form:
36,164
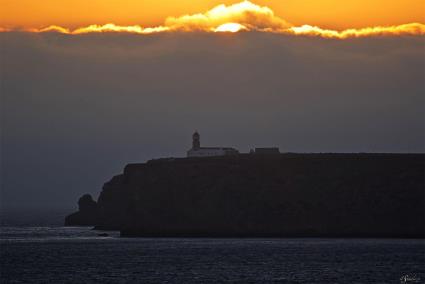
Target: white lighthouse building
198,151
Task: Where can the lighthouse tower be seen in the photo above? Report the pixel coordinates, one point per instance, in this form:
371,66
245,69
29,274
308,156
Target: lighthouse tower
196,141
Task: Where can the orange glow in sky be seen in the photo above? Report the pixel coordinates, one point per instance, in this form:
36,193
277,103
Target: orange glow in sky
239,16
330,14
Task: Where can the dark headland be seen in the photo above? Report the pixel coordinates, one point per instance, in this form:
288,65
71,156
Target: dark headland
283,195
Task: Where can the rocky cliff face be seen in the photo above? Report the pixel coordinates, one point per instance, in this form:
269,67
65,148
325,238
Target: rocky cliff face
355,195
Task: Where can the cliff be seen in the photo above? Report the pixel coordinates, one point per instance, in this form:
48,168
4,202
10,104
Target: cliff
286,195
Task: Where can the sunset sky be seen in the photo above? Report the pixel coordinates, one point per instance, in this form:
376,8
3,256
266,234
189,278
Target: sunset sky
331,14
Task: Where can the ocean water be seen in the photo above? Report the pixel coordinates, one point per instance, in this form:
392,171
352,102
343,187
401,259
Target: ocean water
35,248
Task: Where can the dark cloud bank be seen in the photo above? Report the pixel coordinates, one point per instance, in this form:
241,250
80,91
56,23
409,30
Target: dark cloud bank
76,109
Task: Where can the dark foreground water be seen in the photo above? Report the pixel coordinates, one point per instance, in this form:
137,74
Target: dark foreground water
54,254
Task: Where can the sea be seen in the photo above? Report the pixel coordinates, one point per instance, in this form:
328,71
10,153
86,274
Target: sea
35,247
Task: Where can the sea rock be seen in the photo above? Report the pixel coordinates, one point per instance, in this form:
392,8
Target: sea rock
87,214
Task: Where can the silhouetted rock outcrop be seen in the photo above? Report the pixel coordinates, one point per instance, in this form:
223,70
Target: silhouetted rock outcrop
87,214
286,195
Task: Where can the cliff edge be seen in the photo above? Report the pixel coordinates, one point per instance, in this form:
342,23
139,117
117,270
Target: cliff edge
286,195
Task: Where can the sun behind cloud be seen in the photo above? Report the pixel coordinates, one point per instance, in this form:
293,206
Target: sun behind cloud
246,13
230,27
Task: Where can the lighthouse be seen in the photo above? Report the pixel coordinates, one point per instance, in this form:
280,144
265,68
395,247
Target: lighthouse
196,141
198,151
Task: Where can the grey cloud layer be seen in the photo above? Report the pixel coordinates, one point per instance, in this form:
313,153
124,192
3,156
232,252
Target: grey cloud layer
76,109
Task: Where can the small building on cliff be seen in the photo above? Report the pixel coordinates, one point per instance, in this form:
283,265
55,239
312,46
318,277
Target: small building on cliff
267,151
198,151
